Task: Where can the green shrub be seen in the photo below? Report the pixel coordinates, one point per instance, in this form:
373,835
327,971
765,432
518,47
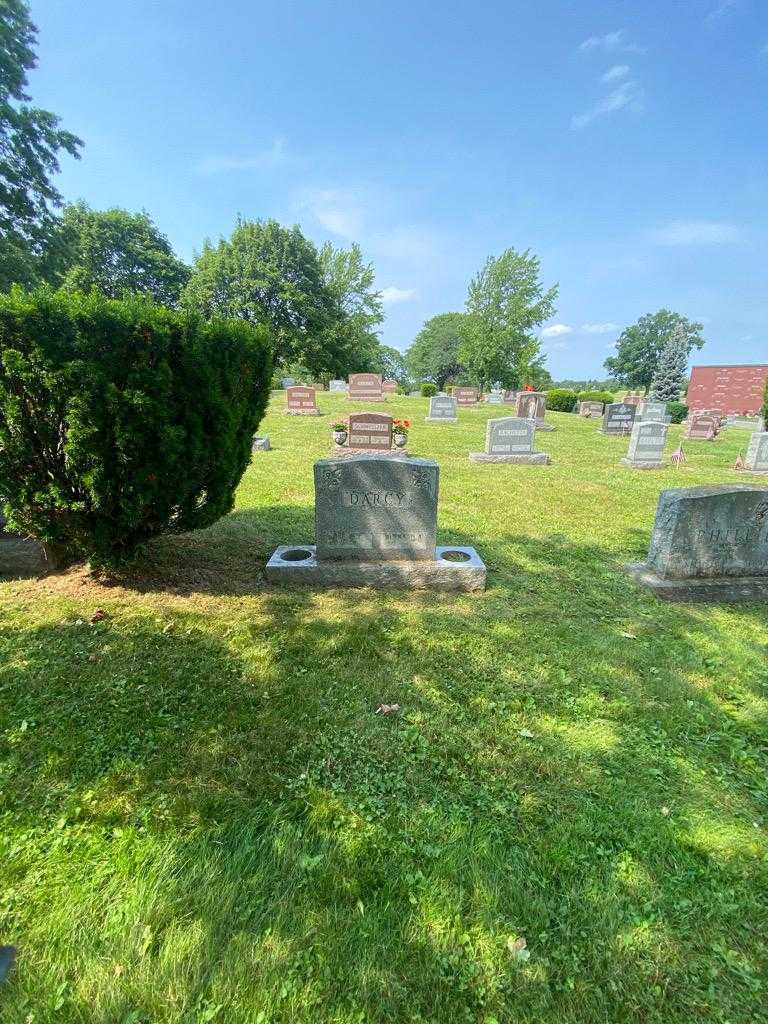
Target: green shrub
561,400
121,420
678,411
596,396
428,390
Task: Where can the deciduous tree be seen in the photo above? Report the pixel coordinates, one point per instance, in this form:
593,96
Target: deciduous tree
116,252
31,141
434,354
639,347
505,305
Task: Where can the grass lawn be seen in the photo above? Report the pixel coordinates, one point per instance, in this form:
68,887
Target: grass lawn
203,819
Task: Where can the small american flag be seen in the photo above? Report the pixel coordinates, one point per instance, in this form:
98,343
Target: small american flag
739,463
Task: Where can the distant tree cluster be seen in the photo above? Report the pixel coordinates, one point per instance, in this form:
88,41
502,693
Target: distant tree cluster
658,342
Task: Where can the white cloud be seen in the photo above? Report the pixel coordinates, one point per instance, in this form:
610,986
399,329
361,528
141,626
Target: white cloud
697,232
392,295
617,72
611,42
272,156
600,328
555,330
627,96
719,11
336,210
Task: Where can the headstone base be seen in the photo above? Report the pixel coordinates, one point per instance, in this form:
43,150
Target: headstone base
543,425
387,453
441,419
642,465
726,589
303,412
526,459
297,566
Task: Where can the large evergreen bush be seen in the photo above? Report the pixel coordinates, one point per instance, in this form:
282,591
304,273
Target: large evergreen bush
120,419
561,400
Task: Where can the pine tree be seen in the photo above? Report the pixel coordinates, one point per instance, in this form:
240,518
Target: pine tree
669,379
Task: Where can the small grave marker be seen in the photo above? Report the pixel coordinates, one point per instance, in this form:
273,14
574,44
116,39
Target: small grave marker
618,418
466,396
302,401
756,460
646,445
442,409
510,439
702,427
370,431
365,387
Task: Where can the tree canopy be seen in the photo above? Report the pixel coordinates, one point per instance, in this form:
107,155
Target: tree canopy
506,303
266,273
30,143
116,252
350,282
639,347
434,354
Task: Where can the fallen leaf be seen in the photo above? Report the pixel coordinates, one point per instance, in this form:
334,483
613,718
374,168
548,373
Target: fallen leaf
518,948
630,636
387,709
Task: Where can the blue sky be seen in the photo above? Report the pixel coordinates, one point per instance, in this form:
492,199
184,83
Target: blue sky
623,142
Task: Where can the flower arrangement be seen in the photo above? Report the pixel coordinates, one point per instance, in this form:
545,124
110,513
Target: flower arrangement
400,430
340,431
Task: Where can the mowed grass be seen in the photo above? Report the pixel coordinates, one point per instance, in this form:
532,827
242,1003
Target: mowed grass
202,818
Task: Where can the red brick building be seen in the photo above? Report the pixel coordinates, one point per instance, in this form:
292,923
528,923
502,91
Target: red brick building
731,389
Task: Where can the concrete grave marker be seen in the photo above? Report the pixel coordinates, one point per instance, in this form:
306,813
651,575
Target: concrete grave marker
533,405
510,397
301,401
708,544
650,410
702,427
442,409
376,525
466,396
337,385
365,387
618,418
646,445
495,398
510,439
389,387
590,409
260,444
757,453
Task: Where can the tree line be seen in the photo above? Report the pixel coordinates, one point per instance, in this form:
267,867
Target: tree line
320,304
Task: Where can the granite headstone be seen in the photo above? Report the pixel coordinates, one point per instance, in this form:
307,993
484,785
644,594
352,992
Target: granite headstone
618,418
709,543
365,387
756,460
510,439
646,445
442,409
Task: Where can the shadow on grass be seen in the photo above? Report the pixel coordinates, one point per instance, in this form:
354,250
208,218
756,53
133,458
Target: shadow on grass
573,761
